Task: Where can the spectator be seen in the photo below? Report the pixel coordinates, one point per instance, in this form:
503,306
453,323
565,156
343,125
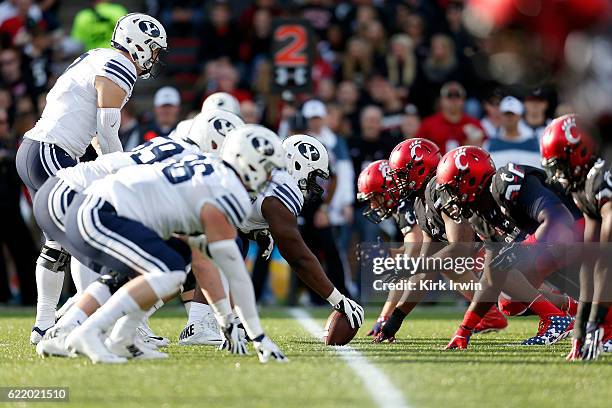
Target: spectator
411,122
491,122
10,9
14,234
512,145
220,38
348,99
13,29
93,26
536,106
38,58
451,127
130,132
250,112
335,212
400,64
357,63
13,76
371,144
179,17
167,104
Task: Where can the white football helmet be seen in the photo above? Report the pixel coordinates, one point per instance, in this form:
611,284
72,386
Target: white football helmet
307,159
210,128
222,100
253,151
140,35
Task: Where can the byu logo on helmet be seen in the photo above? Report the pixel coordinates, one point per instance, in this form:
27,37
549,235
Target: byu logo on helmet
149,28
263,146
222,126
309,152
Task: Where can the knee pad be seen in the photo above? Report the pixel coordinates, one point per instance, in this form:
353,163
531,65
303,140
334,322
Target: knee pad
99,291
113,280
190,282
165,284
53,259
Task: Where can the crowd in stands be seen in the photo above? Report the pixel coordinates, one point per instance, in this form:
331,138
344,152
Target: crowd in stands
383,71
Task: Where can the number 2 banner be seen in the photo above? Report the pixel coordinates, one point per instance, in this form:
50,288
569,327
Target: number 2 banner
292,55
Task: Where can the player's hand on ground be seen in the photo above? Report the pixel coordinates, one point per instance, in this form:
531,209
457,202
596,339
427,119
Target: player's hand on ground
387,333
233,341
592,347
575,353
380,322
460,339
353,311
265,242
268,350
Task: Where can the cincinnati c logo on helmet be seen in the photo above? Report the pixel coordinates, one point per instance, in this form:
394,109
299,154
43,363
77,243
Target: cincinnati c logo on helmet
309,152
385,170
458,155
262,146
149,28
413,151
567,126
222,126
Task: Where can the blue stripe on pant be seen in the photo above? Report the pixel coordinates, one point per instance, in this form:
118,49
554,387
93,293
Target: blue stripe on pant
37,161
96,231
48,211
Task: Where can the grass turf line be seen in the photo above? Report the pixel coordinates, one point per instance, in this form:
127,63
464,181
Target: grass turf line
493,372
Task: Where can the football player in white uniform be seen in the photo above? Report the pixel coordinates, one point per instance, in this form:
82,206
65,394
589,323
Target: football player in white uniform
126,221
84,103
274,219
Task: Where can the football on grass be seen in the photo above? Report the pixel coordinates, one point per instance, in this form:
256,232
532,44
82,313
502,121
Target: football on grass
338,331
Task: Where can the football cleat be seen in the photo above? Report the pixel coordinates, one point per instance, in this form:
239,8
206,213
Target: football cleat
135,349
551,330
54,342
460,339
89,343
148,336
205,332
267,349
513,308
37,335
493,321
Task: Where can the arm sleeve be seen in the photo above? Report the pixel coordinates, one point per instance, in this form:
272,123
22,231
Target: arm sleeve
535,197
108,130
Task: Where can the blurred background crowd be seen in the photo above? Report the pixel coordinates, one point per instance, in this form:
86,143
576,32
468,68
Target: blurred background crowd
383,71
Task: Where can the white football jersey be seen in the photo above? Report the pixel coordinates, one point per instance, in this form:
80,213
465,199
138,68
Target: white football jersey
159,149
281,186
69,118
182,129
168,197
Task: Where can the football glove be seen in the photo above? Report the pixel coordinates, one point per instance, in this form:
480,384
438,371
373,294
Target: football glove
592,347
352,310
391,327
460,339
267,349
575,353
233,341
380,322
265,242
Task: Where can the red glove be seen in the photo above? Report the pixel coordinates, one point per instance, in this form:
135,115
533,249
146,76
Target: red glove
376,329
460,339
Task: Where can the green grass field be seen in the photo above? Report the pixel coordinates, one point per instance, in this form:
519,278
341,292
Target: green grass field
494,372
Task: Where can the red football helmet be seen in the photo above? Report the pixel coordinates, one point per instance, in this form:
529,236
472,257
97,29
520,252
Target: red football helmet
375,185
464,173
413,162
567,152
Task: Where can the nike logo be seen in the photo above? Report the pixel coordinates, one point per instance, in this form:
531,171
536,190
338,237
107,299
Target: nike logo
113,125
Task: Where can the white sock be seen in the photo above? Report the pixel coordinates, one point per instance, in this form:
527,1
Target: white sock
223,312
82,276
187,306
75,316
120,304
49,287
125,328
198,311
153,309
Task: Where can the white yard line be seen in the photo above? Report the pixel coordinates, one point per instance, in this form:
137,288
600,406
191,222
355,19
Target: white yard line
376,382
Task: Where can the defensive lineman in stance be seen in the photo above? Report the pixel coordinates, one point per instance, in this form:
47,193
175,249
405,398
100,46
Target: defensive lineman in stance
84,103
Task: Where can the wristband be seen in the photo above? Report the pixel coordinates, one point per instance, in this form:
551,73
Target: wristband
335,297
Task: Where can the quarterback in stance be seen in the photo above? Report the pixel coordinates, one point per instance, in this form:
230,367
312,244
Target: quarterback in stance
84,103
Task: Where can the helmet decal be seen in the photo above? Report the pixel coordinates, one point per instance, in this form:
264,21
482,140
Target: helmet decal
222,126
413,151
149,28
262,145
567,126
308,151
458,155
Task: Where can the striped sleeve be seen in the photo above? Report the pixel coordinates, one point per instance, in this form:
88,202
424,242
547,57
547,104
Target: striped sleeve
289,197
120,73
232,207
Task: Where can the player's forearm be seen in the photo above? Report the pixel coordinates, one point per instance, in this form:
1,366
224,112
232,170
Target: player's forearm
309,270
